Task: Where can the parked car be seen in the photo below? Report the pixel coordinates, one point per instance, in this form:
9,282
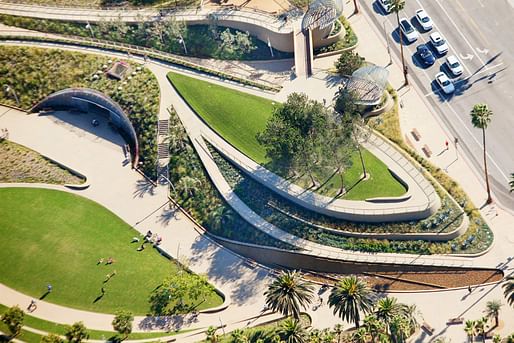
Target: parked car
424,20
385,4
408,30
439,43
425,55
453,63
444,83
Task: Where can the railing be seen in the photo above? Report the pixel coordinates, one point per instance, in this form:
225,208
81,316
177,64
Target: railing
287,187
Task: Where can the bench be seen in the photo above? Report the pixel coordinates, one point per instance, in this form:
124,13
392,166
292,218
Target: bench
415,134
426,150
458,320
430,330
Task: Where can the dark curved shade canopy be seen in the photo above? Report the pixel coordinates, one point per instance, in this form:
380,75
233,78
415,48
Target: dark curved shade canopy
321,14
81,99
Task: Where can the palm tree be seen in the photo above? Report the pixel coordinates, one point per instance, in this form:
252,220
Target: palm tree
388,308
211,334
238,336
471,329
396,7
493,310
481,325
288,294
480,118
508,290
292,331
400,329
338,330
349,298
412,315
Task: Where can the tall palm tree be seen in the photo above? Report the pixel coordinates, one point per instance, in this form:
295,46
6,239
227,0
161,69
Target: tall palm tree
471,329
492,310
508,290
349,298
396,7
288,294
292,331
388,308
480,118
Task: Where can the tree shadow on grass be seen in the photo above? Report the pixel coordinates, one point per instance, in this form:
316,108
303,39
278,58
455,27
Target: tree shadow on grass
168,323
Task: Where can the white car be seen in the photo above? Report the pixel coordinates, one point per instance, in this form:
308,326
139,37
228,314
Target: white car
385,4
424,20
408,30
445,83
454,65
439,43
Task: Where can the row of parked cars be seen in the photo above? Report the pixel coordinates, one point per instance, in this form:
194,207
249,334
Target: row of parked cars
423,51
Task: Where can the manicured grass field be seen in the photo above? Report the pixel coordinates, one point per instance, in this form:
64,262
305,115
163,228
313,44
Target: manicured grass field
238,117
54,237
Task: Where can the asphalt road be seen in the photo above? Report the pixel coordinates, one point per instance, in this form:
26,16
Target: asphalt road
480,34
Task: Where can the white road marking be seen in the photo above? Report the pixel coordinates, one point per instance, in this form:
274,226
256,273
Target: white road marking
483,51
458,30
467,57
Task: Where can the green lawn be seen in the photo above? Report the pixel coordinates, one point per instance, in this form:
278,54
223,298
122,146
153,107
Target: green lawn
60,329
57,237
238,117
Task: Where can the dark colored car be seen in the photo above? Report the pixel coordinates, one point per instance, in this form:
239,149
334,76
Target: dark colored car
426,56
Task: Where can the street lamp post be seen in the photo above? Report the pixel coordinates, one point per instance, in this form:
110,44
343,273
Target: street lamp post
181,41
90,28
9,89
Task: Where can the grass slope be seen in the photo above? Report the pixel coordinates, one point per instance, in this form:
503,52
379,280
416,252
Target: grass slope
57,237
238,117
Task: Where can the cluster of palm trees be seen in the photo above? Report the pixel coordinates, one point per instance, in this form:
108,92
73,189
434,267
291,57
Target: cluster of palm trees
383,320
480,327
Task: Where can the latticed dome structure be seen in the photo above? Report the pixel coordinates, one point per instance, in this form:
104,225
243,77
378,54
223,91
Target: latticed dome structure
368,84
321,14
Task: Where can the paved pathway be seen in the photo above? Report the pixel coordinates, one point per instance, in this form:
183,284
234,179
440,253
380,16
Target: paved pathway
452,303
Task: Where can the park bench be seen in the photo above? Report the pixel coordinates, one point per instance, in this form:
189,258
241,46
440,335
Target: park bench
427,150
415,134
458,320
430,330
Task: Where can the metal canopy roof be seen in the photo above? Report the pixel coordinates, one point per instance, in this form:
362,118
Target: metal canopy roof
321,14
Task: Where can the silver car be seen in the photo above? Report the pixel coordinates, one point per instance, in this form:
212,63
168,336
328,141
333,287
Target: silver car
453,63
439,43
408,30
445,83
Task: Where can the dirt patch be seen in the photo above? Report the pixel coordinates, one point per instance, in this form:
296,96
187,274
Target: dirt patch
21,164
417,281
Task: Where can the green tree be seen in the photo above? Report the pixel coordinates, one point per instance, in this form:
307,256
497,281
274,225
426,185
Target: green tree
373,326
212,335
481,326
397,6
388,308
122,323
338,331
400,329
13,319
412,315
497,338
76,333
289,294
295,134
360,336
293,331
349,298
239,336
52,338
471,329
481,116
348,62
492,310
508,290
234,45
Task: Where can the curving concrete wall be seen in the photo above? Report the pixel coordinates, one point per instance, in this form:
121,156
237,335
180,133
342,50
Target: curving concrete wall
81,98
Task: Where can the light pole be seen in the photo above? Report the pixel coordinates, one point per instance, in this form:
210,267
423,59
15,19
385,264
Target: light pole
222,327
181,41
387,42
168,182
88,26
9,89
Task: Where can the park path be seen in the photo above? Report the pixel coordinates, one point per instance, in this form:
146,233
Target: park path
448,302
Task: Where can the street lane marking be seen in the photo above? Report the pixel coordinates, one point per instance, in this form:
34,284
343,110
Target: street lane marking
484,51
467,57
458,30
